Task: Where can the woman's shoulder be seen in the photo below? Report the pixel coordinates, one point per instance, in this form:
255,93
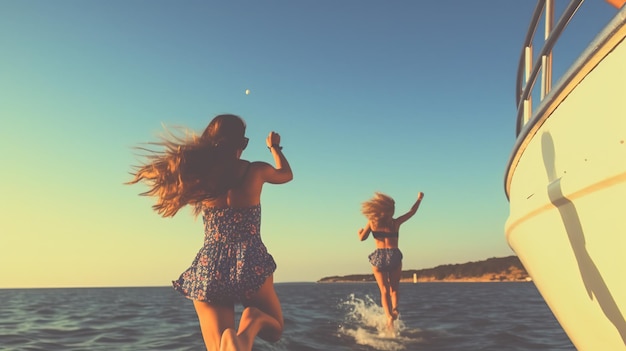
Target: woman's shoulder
258,166
253,166
258,163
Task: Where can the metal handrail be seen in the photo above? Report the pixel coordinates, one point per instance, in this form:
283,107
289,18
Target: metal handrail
528,69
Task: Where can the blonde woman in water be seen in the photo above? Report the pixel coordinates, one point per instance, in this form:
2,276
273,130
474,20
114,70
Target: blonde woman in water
233,266
386,260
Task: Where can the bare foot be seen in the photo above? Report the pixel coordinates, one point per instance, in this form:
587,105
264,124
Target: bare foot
395,314
390,320
229,341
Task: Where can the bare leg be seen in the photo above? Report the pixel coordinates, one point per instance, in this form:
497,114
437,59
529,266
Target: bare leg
253,320
262,316
394,284
214,319
229,341
385,298
266,301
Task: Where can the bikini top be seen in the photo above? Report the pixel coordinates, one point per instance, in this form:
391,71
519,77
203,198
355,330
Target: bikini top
383,235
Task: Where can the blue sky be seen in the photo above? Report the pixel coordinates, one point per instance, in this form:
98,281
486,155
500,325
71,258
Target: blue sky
398,97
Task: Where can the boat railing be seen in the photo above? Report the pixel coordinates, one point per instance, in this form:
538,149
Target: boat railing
529,68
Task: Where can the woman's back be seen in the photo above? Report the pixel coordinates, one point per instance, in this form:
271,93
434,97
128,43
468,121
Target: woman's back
386,236
243,194
247,192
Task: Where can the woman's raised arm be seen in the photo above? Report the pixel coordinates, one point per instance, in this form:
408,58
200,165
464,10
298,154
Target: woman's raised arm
405,217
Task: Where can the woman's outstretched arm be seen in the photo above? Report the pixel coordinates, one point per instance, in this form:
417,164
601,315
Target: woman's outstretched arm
283,172
405,217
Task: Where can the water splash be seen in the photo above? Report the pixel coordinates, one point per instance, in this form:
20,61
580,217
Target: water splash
366,323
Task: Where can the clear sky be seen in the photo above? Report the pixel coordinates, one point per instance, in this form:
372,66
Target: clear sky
392,96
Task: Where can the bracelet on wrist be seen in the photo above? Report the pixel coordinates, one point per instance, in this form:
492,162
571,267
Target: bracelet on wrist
275,146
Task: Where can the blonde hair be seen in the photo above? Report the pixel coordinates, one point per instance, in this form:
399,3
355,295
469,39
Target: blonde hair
379,209
192,168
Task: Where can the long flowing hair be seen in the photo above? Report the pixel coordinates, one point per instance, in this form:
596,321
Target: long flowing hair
379,209
190,169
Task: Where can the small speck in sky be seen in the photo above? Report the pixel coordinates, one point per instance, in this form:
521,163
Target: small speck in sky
247,91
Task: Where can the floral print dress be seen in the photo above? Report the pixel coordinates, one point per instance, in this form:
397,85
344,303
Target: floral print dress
233,263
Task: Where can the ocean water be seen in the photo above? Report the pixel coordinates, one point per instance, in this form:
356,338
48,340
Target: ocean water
333,316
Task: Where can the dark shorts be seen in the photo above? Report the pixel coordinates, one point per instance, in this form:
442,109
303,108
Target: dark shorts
386,259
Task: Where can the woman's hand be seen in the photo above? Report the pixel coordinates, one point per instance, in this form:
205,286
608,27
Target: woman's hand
420,196
281,173
273,139
364,232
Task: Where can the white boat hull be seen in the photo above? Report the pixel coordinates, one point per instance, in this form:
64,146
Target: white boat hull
567,193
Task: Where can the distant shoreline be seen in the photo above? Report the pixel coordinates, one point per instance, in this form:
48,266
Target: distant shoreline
420,281
502,269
